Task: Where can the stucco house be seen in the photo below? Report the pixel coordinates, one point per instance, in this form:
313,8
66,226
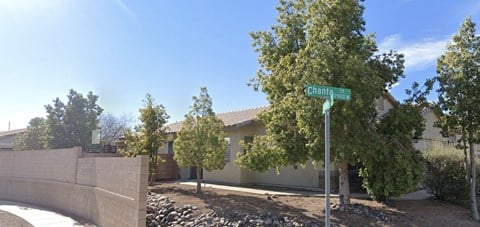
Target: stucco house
7,138
431,115
241,125
431,134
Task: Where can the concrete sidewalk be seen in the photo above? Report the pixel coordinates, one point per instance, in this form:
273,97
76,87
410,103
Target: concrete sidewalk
418,195
39,217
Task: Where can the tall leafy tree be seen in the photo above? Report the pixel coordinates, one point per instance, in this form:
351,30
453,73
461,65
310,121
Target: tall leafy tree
459,97
393,167
201,141
149,136
35,138
318,42
72,124
56,125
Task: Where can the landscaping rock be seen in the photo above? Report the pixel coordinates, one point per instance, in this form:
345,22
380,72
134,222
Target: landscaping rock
161,211
365,211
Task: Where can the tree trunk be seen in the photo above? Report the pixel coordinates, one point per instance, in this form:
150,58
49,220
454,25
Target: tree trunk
465,162
199,180
152,178
153,170
150,165
344,189
473,179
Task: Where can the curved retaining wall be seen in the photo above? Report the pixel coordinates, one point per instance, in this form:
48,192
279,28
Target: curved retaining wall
109,191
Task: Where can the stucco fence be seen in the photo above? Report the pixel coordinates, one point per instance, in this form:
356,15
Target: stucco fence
109,191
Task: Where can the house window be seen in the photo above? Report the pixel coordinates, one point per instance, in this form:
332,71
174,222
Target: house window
170,147
227,152
416,138
381,104
248,140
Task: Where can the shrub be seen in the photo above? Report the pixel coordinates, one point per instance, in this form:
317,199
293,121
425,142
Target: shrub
392,173
445,173
393,167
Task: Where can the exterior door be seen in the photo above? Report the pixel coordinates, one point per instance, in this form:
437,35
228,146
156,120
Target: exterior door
193,173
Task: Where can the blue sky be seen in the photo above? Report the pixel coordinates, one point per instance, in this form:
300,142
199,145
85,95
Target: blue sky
122,49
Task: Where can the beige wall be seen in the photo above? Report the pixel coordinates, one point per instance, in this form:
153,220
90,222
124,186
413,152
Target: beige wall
387,106
248,176
307,177
110,191
231,173
302,177
431,134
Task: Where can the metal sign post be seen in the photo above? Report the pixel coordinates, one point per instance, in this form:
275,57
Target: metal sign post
330,93
326,110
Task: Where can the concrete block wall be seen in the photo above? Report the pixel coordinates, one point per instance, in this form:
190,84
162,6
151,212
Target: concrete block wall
107,191
49,165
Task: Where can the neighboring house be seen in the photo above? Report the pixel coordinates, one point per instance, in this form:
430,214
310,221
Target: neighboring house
242,125
385,104
239,125
432,134
7,137
431,115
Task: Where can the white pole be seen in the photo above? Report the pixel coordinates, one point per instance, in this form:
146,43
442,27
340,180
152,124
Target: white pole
327,168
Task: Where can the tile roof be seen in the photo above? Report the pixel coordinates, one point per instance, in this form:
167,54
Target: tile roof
12,132
233,118
390,97
432,107
240,117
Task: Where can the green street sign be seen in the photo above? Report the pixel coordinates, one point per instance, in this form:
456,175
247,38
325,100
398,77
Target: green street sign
330,94
321,91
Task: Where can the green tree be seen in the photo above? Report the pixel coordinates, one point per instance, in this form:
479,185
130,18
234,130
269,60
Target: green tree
201,141
71,124
318,42
394,167
56,131
149,136
35,138
459,97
